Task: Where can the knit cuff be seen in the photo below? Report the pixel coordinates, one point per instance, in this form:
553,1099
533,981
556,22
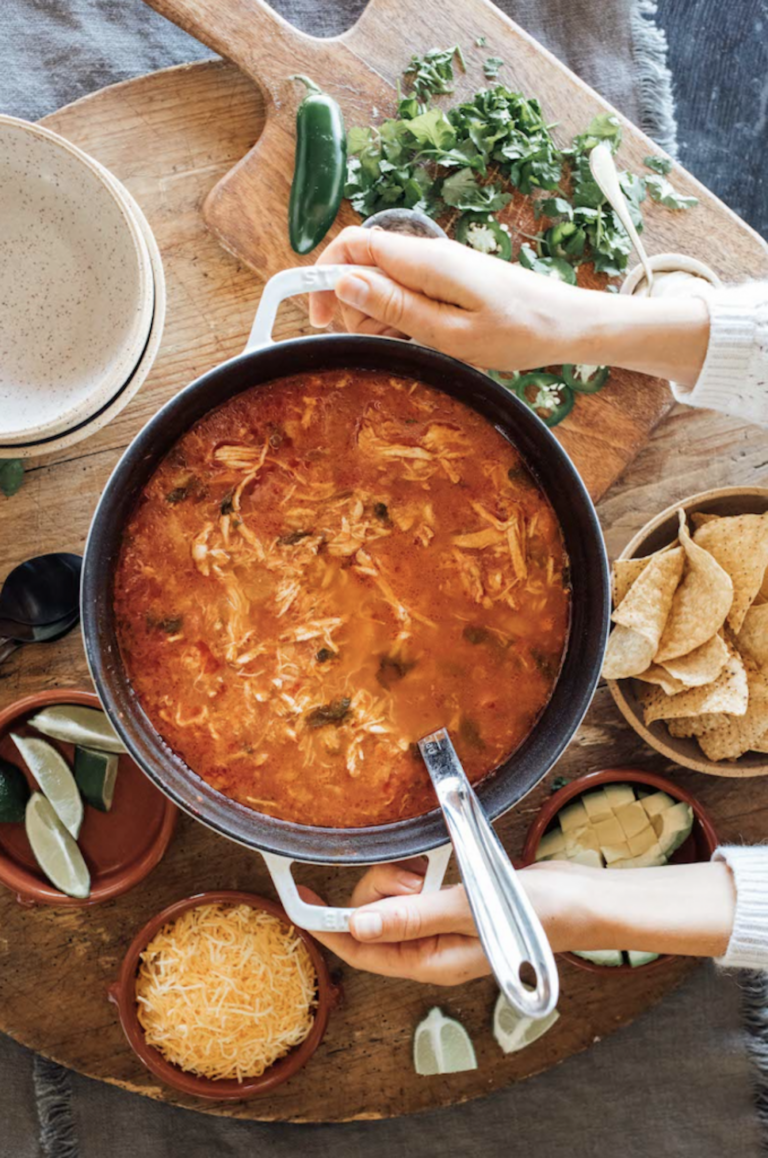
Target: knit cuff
748,946
725,383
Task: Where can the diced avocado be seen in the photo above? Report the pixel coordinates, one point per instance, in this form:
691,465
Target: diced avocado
638,957
601,956
675,827
582,838
610,832
96,774
588,856
657,802
642,842
653,858
573,816
597,806
551,844
632,818
619,795
615,852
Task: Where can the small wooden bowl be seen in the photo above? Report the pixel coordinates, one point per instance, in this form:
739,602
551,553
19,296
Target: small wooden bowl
120,846
653,536
123,994
699,846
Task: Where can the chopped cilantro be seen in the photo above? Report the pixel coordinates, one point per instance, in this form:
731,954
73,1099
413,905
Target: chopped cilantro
492,66
660,189
433,72
660,165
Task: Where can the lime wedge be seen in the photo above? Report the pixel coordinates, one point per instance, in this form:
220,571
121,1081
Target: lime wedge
52,774
14,792
55,850
96,775
442,1045
514,1032
76,725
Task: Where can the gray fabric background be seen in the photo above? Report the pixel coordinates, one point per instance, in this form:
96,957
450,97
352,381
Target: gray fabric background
677,1083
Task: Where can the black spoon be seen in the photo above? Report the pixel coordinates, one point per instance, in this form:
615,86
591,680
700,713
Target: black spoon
40,600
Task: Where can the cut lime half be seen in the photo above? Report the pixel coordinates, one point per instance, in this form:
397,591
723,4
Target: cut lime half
442,1045
52,774
55,850
96,776
14,792
78,725
513,1031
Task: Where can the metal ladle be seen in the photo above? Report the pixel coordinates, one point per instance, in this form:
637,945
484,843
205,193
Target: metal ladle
605,173
509,930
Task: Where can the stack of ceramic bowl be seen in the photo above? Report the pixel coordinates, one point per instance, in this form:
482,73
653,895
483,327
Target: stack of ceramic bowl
82,293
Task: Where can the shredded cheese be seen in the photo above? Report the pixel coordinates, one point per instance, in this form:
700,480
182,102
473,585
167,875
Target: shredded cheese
224,991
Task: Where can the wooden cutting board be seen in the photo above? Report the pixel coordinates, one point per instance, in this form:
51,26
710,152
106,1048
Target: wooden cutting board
247,210
170,136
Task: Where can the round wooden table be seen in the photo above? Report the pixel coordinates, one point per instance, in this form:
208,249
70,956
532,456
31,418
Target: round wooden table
169,137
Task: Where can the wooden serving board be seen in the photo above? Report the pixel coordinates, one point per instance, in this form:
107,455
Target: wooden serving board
170,136
247,209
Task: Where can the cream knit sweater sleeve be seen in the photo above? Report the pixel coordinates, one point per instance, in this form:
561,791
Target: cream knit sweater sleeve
748,946
734,377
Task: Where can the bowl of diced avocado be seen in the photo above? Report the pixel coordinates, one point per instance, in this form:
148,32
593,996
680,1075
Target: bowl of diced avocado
620,818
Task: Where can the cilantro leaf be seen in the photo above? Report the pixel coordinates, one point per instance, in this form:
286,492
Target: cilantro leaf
462,191
552,207
492,66
662,191
604,127
433,128
11,475
555,267
660,165
433,72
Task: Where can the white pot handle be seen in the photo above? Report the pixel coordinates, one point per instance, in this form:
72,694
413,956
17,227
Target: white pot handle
287,284
330,920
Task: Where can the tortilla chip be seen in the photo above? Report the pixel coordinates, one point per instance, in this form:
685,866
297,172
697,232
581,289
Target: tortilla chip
687,726
699,667
729,693
698,519
646,605
732,736
656,674
740,545
628,653
701,601
625,571
752,640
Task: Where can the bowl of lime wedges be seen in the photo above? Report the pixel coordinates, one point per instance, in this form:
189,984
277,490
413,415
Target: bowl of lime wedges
79,821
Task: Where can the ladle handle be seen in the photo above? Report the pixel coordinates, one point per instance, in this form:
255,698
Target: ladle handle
287,284
509,929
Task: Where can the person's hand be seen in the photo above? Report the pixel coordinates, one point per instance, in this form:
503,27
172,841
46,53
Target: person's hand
497,315
475,307
431,937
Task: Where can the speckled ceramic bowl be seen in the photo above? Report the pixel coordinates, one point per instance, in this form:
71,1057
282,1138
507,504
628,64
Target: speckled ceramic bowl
100,418
76,285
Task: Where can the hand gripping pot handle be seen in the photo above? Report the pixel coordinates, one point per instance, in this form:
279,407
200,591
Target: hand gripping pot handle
322,918
287,284
509,930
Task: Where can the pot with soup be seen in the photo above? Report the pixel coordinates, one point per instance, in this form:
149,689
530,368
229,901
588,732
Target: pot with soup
319,552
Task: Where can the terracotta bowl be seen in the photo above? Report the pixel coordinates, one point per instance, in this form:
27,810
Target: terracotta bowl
123,994
654,535
120,846
699,846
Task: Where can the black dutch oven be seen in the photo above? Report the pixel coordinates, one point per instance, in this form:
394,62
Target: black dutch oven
263,361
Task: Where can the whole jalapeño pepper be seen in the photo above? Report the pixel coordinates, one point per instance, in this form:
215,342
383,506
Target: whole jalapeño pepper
320,168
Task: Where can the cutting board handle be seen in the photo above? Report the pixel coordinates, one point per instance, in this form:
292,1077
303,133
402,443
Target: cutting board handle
255,38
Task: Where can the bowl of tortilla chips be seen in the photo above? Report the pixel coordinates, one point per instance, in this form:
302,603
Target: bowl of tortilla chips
687,658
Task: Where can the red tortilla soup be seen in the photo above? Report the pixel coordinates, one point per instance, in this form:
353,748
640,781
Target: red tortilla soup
325,569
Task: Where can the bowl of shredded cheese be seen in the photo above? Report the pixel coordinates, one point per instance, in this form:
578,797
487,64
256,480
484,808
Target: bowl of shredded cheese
221,997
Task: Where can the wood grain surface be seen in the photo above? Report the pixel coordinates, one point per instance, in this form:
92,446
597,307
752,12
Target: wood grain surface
170,137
